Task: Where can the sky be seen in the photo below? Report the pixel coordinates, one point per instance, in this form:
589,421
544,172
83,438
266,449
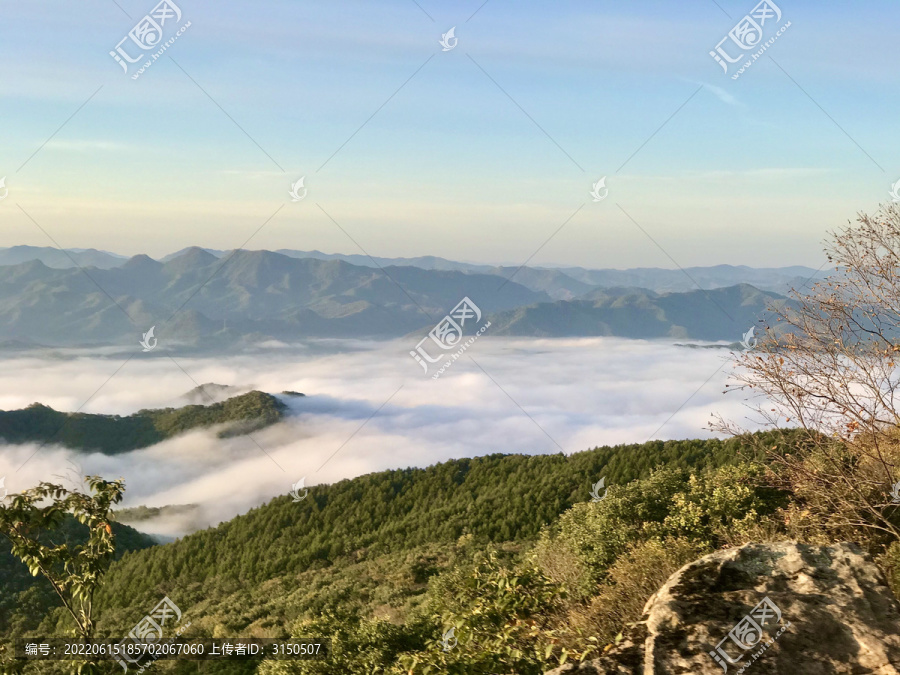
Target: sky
486,152
578,394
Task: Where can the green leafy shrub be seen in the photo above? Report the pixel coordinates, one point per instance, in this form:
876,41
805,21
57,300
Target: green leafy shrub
630,581
360,646
704,508
502,616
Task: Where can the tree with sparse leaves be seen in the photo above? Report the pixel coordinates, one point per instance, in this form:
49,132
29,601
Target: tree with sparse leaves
830,364
28,521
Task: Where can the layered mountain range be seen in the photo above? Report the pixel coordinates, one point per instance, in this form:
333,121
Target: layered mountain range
211,299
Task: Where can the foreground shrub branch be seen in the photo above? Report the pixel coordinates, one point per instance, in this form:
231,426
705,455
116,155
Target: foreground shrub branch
829,365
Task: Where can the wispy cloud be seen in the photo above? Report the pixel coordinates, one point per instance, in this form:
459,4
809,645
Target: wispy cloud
721,94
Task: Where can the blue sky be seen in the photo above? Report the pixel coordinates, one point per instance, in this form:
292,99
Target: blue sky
750,171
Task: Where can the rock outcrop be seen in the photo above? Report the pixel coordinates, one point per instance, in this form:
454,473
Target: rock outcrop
763,609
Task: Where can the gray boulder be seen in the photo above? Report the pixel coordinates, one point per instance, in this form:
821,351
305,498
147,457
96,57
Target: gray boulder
760,609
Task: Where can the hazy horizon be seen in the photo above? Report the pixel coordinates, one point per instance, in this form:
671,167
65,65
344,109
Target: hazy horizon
347,252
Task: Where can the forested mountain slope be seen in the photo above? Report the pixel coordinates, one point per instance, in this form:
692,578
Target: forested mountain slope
494,498
113,434
368,546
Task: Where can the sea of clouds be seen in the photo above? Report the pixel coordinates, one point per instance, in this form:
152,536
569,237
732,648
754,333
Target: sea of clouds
368,407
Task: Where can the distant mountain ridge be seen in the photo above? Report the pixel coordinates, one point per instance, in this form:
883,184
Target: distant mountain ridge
559,282
200,299
718,314
61,259
565,283
205,302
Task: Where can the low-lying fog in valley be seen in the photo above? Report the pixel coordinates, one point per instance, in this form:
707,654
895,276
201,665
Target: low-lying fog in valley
368,407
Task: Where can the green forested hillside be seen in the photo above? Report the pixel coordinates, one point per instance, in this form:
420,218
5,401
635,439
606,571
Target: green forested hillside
379,548
493,498
112,434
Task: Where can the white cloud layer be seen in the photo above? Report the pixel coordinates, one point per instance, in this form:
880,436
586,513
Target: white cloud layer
532,396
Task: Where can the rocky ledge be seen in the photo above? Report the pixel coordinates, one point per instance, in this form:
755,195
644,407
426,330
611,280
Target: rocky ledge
762,609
